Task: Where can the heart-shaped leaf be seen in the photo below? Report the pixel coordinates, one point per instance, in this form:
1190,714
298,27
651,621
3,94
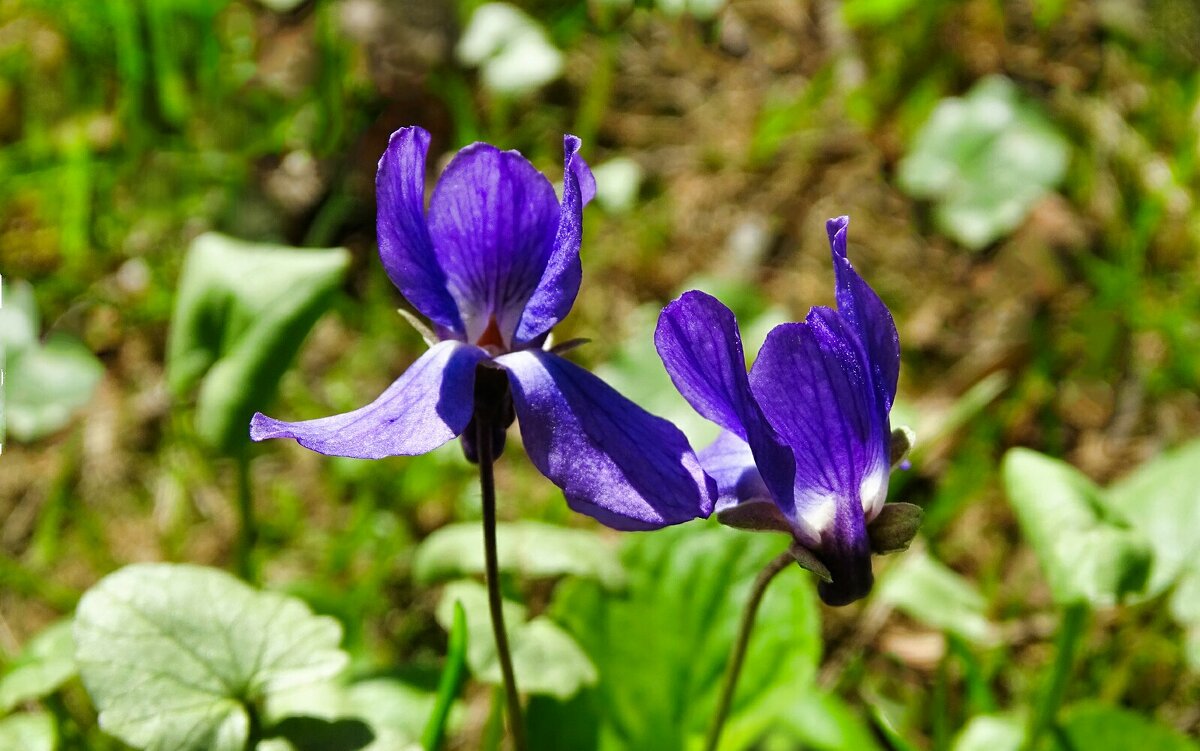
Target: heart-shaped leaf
376,714
172,655
46,663
546,659
45,383
28,732
1161,499
928,591
241,312
510,48
1087,550
533,549
985,159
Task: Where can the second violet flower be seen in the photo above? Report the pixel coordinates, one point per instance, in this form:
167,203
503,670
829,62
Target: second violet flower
806,445
494,265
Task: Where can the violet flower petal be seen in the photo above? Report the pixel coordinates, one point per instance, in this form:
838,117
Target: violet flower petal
404,243
613,460
867,314
743,500
730,463
701,347
493,219
559,283
423,409
812,381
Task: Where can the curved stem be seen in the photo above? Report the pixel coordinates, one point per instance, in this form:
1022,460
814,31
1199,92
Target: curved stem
734,667
483,436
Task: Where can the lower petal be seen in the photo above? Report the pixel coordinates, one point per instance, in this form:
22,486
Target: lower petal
613,460
423,409
729,461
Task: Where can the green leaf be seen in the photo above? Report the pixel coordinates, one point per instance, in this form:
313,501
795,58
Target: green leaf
875,12
46,663
546,659
1087,551
172,654
1161,499
45,383
454,674
394,711
993,732
985,159
241,313
28,732
532,549
1097,727
18,317
823,722
662,647
928,591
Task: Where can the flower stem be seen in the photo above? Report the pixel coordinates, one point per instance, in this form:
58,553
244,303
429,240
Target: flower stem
734,667
487,483
1070,633
247,532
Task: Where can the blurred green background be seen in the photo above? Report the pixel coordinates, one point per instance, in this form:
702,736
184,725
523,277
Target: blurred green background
1021,177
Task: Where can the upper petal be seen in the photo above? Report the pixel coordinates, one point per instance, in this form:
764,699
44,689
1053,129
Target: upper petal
424,408
866,313
812,382
493,219
701,347
614,461
556,290
404,244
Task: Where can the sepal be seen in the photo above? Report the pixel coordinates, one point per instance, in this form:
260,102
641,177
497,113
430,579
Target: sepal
895,527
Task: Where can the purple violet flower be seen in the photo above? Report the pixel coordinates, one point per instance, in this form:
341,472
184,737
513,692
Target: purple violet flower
494,264
806,442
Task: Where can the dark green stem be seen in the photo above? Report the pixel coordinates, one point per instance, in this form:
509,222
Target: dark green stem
247,531
487,484
1070,634
254,731
734,667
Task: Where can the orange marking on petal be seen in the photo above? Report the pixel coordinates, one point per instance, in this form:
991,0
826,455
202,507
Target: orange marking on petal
491,335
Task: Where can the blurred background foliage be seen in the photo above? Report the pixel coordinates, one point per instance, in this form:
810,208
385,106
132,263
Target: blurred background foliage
1022,181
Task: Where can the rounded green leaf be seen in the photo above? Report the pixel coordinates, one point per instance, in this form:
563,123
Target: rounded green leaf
46,663
1161,499
985,159
241,312
928,591
533,549
1088,552
28,732
172,654
545,657
18,317
46,383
